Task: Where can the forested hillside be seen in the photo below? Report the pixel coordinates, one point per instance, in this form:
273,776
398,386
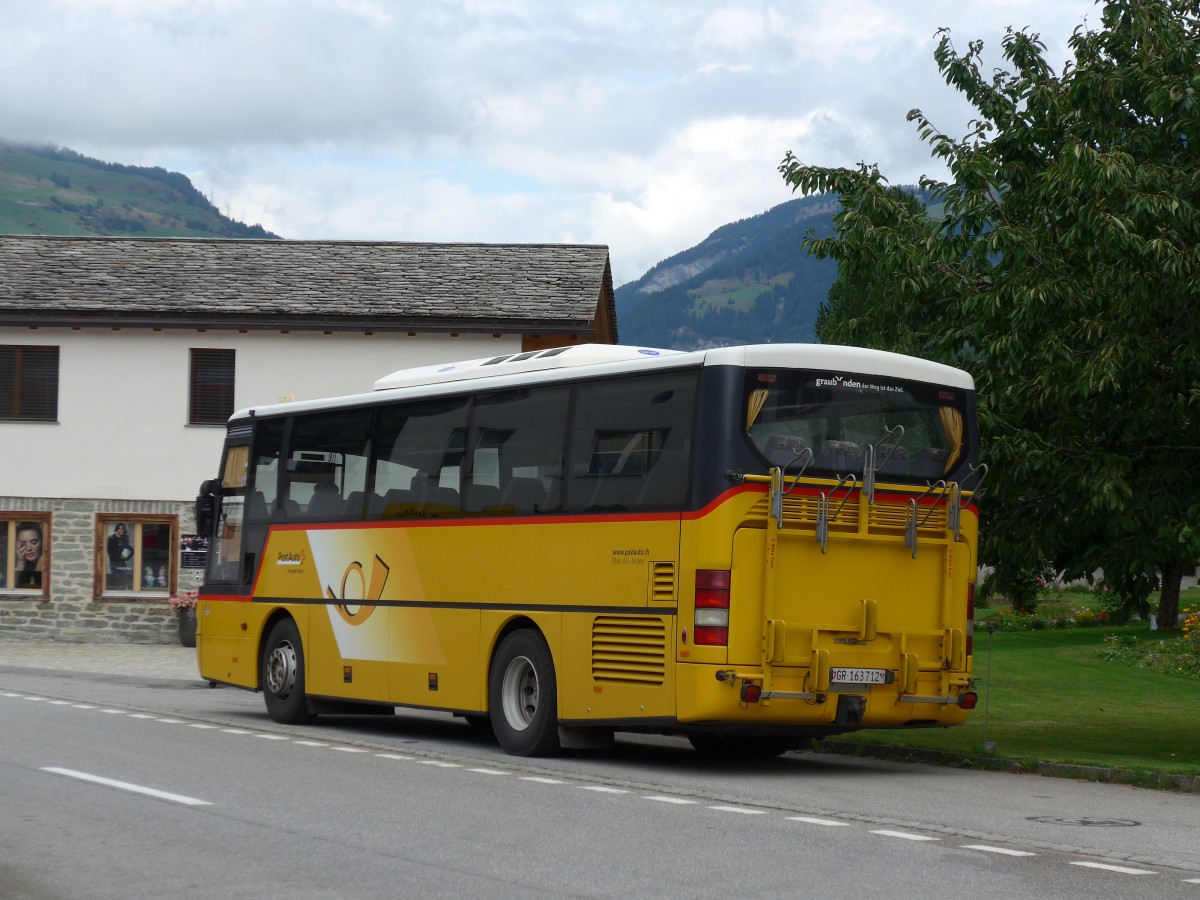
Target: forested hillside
48,190
747,282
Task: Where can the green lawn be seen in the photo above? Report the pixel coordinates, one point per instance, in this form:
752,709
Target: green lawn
1051,697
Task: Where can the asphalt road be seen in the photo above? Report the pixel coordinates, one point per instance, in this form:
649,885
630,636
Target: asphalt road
134,786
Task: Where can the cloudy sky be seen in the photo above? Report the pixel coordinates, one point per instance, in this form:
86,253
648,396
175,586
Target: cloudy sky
640,124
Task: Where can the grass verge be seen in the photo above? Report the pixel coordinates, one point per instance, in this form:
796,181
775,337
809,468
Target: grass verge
1050,697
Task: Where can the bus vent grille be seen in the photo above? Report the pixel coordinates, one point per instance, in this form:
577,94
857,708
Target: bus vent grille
629,649
895,515
801,511
662,581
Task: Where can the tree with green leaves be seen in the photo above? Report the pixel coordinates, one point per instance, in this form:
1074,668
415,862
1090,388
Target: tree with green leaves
1060,265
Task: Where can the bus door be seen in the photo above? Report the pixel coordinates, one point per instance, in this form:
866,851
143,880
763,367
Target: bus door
225,561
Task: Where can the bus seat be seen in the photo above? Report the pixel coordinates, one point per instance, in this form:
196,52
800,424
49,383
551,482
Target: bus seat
256,507
782,449
354,504
419,485
398,503
842,457
525,495
438,502
376,504
481,497
616,492
896,464
326,503
931,463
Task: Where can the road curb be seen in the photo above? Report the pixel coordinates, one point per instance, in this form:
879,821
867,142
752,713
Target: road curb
1104,774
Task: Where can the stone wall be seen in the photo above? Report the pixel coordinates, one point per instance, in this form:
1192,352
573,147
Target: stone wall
71,611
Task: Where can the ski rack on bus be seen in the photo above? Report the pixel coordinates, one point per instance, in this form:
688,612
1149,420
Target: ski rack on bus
780,486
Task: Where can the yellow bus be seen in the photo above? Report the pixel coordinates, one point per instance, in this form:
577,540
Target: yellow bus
750,546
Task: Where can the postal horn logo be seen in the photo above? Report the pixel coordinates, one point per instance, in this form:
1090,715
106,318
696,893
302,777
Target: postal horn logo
358,609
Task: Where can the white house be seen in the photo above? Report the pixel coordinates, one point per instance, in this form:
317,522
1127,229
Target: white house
121,358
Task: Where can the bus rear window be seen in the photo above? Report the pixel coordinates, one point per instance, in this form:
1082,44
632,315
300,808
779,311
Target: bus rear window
824,423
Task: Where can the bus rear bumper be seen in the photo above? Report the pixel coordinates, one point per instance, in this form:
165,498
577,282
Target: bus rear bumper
710,693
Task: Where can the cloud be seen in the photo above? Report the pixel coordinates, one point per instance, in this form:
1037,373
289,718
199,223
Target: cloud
639,125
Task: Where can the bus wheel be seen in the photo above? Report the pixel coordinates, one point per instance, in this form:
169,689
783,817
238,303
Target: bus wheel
740,748
283,675
523,696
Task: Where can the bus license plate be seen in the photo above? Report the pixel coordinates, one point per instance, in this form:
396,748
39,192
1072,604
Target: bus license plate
842,675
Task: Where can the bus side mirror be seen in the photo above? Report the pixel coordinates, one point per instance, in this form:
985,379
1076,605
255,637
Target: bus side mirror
206,502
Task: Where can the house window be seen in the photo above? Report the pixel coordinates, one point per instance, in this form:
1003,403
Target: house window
134,555
210,387
24,553
29,383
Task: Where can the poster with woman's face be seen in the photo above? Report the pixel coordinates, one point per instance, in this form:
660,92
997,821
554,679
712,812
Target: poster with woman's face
29,554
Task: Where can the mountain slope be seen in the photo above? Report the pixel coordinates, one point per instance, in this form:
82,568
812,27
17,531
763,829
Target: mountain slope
747,282
46,190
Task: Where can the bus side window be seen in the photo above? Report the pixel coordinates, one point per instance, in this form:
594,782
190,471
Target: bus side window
419,449
327,463
516,451
630,444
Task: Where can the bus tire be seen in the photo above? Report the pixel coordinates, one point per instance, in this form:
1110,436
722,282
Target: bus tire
282,675
523,696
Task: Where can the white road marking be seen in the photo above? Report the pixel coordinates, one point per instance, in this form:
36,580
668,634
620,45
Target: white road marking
908,836
1123,870
1002,850
125,786
813,821
680,801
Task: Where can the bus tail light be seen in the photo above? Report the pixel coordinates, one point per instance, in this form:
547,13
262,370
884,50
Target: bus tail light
711,626
970,620
968,699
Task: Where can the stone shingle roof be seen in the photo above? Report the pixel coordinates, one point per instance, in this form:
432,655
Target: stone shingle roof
174,282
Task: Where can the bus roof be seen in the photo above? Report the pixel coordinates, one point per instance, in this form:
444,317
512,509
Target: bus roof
611,359
854,360
533,361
